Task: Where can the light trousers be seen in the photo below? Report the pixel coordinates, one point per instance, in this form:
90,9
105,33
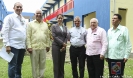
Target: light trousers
38,60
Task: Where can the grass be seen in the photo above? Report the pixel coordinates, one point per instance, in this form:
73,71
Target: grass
27,73
26,69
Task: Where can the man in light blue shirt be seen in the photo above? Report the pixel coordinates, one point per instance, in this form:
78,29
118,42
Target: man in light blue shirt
119,47
77,49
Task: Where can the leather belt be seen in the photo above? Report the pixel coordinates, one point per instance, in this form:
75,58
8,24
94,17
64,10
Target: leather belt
77,46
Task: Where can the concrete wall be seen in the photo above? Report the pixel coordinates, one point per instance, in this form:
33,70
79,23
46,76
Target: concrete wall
69,24
61,3
56,7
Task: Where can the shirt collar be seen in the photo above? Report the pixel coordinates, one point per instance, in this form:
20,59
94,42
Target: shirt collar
16,15
58,24
94,29
78,27
118,28
37,21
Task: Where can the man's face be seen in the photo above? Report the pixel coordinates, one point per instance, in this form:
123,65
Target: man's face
18,8
38,15
93,24
115,21
77,22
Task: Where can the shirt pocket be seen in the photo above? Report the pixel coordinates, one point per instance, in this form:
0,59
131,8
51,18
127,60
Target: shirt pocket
73,35
120,38
96,38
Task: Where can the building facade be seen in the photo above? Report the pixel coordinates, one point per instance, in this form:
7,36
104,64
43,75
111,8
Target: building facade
86,10
103,10
3,12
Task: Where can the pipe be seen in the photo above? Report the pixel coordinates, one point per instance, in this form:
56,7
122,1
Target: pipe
114,6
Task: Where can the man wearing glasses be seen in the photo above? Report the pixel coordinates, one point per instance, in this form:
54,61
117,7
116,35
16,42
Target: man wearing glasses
14,37
77,49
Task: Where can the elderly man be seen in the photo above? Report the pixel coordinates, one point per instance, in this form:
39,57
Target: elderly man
96,47
77,49
119,47
14,37
38,44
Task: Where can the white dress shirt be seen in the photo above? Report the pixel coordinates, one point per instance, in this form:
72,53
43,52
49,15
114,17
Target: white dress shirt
14,31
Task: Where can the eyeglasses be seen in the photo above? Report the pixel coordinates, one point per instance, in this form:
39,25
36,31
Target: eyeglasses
19,6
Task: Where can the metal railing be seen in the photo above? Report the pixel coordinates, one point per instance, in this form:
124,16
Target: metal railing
69,5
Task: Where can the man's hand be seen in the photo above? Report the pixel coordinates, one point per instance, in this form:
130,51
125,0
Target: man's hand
125,60
62,49
64,45
106,59
29,50
8,49
47,49
101,57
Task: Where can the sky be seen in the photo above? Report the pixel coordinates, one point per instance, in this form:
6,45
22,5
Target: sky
28,5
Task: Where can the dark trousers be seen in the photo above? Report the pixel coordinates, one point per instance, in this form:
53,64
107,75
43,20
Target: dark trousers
58,61
14,67
116,68
77,53
95,66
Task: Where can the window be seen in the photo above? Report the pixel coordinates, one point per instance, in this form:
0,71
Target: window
122,12
88,17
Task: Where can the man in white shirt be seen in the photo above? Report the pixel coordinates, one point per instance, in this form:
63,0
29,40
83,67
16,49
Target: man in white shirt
14,38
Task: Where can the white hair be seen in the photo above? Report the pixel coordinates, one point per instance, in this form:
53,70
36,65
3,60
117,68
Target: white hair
94,19
39,10
77,17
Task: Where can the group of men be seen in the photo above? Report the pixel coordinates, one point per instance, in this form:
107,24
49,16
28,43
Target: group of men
115,47
93,44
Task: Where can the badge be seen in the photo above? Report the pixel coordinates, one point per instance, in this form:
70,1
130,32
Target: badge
115,67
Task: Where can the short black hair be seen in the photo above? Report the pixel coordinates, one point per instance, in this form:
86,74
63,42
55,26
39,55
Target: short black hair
119,16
